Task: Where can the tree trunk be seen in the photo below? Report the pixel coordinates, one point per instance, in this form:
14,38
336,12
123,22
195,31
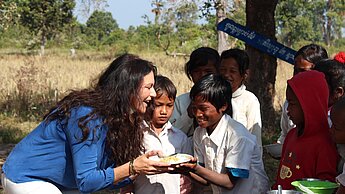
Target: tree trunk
262,69
43,42
221,15
329,24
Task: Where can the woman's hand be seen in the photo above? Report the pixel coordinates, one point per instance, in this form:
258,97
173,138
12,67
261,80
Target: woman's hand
143,165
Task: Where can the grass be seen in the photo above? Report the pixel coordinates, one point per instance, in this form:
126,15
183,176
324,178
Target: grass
31,84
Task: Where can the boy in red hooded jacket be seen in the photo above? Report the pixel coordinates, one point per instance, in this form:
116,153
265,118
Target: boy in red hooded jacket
308,151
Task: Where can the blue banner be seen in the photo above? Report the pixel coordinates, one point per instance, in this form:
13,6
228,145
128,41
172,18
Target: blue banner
256,40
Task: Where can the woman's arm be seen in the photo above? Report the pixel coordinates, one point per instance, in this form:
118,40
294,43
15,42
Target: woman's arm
141,165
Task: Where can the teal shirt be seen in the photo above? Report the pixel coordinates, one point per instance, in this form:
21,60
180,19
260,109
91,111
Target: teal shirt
54,152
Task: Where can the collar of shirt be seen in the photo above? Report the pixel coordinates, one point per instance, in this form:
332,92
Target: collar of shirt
218,133
165,129
239,91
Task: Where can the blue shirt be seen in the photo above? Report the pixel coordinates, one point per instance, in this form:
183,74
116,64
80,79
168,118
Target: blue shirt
54,152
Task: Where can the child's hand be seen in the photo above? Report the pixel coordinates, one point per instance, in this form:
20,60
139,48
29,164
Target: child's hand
184,168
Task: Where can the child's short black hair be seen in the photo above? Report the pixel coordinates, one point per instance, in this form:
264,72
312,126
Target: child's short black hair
312,53
214,89
164,85
334,73
240,56
201,57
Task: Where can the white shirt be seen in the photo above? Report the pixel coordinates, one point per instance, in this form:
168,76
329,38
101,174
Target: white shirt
180,118
232,146
246,110
169,141
285,123
341,178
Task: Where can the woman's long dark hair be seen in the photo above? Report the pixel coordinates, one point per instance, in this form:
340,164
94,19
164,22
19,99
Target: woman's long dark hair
113,98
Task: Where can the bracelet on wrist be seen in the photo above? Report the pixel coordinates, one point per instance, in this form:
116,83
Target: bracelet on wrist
131,168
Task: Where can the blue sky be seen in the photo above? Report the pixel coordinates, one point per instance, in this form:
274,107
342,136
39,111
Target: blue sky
130,12
126,12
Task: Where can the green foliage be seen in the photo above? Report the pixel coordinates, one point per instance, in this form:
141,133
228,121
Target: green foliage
45,18
15,36
234,10
306,20
8,14
176,29
100,25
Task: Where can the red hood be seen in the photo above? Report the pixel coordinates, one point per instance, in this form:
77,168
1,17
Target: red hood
312,92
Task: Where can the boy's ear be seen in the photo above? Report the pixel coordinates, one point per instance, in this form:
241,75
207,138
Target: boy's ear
246,74
223,108
339,92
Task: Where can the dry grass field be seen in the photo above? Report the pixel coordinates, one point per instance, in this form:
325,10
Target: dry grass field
62,73
29,75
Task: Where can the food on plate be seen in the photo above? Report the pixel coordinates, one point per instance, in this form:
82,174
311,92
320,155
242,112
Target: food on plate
176,158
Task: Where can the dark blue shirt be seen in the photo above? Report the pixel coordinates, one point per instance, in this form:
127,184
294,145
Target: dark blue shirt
54,152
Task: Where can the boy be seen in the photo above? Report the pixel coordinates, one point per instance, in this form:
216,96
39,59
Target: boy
338,134
308,151
202,61
161,135
234,65
305,59
228,155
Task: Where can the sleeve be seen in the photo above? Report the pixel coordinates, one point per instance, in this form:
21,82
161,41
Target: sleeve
341,177
180,118
239,154
89,177
237,172
285,124
254,119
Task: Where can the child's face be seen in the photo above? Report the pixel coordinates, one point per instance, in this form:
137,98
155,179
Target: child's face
206,114
338,126
201,71
302,65
164,107
229,69
294,109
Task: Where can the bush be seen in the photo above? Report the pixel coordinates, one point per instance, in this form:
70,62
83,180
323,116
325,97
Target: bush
32,97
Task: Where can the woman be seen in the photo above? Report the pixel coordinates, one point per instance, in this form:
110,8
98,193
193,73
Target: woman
85,142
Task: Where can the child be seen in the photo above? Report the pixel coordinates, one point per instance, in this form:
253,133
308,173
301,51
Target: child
308,151
228,155
161,135
338,134
234,64
305,60
202,61
334,72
